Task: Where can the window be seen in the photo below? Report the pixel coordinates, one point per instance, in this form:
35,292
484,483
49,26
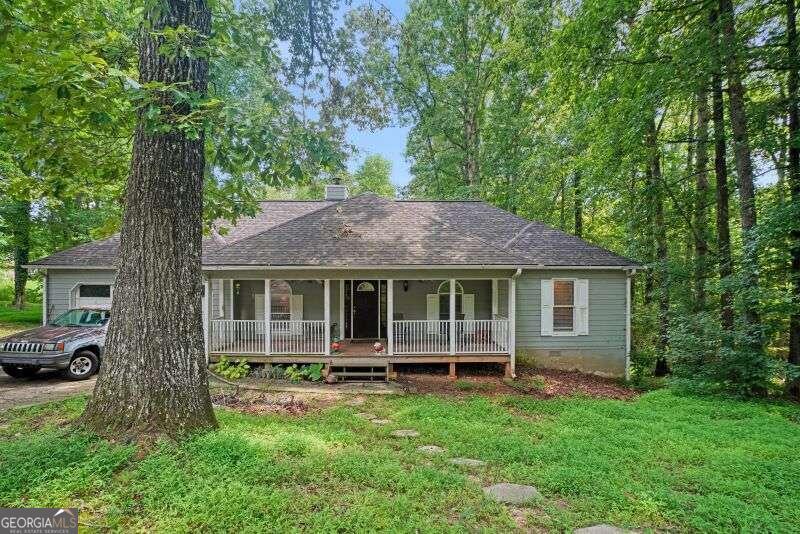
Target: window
95,291
281,296
444,301
365,287
563,305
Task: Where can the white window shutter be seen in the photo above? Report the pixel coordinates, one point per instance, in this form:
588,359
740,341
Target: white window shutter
433,313
468,308
296,308
547,308
217,299
582,307
259,305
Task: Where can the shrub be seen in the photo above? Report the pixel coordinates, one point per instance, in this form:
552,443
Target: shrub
312,372
232,370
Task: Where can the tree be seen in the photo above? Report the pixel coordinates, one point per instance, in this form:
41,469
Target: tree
793,98
154,380
374,174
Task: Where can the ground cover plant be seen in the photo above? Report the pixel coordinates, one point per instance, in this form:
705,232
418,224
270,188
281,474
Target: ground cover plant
13,320
658,461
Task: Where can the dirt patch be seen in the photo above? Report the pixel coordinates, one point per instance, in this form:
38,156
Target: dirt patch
540,383
261,404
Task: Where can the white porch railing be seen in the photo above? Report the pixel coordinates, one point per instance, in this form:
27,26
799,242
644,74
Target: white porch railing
240,337
247,337
298,337
421,337
483,336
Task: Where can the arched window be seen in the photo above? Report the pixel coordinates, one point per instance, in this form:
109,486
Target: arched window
281,296
444,288
366,287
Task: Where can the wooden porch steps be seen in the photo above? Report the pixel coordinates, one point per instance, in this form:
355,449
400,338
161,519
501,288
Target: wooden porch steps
370,371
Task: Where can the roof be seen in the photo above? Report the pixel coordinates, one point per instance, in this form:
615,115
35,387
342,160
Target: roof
367,230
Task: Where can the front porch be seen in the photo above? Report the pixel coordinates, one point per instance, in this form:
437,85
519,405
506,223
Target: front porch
415,320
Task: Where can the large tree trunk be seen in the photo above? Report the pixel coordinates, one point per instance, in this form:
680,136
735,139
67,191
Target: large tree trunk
153,380
744,166
21,244
794,184
700,222
576,187
721,178
660,234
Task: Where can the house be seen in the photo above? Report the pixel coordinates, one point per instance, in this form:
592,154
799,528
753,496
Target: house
434,281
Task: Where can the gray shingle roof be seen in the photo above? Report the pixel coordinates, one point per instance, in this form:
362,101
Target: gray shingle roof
369,230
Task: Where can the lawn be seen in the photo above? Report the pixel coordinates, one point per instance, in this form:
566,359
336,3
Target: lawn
661,461
13,320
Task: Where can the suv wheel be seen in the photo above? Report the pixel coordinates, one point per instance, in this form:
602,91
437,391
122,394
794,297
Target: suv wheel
82,365
21,371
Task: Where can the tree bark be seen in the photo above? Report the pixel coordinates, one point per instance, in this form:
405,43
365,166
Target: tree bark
576,187
744,167
701,200
21,244
660,234
793,172
721,179
153,380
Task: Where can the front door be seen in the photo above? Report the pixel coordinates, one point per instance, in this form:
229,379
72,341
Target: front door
366,303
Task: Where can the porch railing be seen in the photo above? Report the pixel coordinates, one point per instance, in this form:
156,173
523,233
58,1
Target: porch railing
421,337
483,336
298,337
237,336
248,337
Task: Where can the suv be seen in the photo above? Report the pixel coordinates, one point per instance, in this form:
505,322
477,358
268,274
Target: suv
73,343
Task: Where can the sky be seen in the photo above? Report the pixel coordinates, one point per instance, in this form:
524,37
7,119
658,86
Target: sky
388,142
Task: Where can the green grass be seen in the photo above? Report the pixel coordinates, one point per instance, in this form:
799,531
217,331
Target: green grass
13,320
662,461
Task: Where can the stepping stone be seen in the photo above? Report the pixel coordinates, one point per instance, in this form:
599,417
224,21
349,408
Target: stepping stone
365,415
467,462
405,433
358,401
430,449
600,529
512,493
381,421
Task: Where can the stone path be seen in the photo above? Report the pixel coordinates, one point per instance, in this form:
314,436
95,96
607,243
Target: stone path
365,415
381,421
512,493
405,433
600,529
467,462
430,449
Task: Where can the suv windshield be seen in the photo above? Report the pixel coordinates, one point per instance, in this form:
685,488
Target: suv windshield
82,318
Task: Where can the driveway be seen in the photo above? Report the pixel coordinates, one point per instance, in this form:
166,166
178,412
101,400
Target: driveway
44,387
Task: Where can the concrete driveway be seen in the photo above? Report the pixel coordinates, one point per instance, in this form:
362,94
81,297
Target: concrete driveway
44,387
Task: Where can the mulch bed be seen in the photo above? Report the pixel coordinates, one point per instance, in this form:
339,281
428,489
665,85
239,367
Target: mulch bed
539,383
261,404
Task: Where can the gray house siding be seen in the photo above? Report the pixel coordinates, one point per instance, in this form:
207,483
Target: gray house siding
60,283
602,351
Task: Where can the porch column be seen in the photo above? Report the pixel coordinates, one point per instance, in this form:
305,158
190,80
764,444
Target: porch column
452,316
341,310
495,303
327,317
267,316
390,317
512,322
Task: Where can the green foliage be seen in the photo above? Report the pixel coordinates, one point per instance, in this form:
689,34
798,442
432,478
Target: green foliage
231,369
373,175
627,463
311,372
